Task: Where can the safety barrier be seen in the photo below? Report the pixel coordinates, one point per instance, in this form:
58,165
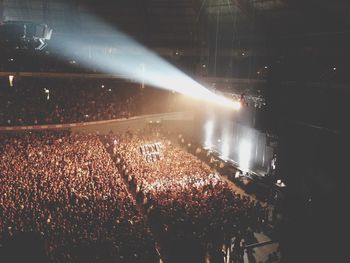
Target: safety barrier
174,116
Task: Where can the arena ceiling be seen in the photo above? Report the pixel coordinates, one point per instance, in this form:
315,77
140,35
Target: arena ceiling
165,19
206,29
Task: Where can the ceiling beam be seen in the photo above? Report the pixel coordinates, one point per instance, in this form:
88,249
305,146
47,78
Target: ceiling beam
257,19
1,11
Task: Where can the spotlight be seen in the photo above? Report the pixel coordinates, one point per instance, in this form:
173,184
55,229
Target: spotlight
237,105
47,92
280,183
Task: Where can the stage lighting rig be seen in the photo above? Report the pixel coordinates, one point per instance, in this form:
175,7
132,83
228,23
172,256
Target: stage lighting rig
24,35
257,101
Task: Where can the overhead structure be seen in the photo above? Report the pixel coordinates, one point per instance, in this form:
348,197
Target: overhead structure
24,35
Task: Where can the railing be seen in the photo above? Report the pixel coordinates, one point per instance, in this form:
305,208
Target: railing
151,117
116,76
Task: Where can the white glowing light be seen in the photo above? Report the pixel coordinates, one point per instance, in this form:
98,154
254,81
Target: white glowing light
244,155
225,146
11,78
236,105
209,129
225,150
237,174
47,92
281,184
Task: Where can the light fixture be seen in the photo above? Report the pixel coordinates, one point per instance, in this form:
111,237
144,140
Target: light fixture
237,105
11,78
237,174
47,92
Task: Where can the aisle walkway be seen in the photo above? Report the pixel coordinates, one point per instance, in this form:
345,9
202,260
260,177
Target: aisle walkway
141,210
238,190
261,254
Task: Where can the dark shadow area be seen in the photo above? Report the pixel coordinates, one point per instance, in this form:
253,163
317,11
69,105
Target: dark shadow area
24,247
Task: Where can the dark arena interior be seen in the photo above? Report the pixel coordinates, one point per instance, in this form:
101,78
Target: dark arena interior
174,131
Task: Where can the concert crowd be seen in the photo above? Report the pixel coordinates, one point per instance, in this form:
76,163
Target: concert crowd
67,189
189,205
41,102
92,198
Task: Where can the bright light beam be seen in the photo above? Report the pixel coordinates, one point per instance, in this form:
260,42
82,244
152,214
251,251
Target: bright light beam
209,130
125,61
225,148
244,155
226,141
